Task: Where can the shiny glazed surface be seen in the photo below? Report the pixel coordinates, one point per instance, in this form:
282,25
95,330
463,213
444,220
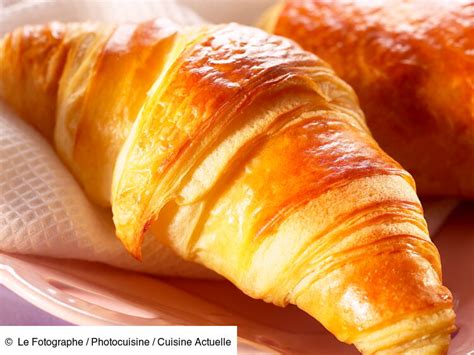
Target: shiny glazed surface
411,64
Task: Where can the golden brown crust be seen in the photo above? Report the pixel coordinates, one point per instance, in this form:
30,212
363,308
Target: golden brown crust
129,59
411,64
251,157
31,61
217,76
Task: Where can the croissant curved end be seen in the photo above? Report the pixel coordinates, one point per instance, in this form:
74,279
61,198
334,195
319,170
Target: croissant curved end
438,326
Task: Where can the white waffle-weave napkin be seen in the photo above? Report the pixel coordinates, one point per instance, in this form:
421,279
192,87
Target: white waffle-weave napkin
43,211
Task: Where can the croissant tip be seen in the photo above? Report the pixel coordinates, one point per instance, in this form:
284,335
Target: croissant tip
433,329
137,254
132,245
135,251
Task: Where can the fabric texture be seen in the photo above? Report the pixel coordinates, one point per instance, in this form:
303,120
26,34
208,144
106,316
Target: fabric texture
43,210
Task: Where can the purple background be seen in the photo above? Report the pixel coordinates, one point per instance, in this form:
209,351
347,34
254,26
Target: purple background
14,310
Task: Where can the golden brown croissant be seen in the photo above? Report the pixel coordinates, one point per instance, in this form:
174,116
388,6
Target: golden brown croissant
411,63
246,154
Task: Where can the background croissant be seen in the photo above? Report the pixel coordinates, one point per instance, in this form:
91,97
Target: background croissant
246,154
412,66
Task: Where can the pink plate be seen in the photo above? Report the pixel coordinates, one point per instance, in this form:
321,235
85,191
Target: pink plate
90,294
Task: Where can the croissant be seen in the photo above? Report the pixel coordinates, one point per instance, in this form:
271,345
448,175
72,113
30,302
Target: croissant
411,64
243,153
